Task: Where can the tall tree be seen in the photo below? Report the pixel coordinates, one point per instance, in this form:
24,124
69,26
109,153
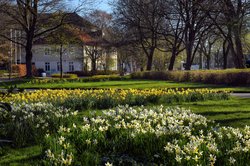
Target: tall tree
195,25
143,21
229,16
172,30
35,18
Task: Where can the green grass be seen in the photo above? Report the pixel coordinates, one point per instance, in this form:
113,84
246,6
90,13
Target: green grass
140,84
29,156
234,112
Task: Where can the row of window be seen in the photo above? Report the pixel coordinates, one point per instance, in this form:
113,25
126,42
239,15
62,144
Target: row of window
71,66
49,51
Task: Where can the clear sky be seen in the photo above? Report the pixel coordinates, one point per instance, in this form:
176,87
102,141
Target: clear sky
100,4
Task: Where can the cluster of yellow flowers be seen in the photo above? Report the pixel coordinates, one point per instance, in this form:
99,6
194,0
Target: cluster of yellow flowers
120,95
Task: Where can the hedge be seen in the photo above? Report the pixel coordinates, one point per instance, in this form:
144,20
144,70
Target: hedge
89,73
233,77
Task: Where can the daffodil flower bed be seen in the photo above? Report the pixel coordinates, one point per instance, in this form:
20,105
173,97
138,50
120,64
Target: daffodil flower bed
140,136
27,124
109,98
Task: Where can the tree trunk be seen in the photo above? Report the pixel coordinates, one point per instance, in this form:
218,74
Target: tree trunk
189,58
150,59
149,63
208,62
201,60
61,66
93,66
28,58
172,60
240,60
225,54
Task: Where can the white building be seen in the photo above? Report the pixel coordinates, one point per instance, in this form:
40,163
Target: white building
46,55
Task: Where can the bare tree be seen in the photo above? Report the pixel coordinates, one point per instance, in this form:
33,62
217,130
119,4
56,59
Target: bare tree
195,25
35,18
93,53
172,31
229,16
206,46
143,21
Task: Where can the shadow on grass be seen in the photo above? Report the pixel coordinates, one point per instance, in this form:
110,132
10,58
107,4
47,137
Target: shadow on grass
29,161
222,113
235,122
13,83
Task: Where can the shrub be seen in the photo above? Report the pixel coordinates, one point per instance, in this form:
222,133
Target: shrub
71,76
28,123
89,73
2,72
97,78
141,136
100,78
233,77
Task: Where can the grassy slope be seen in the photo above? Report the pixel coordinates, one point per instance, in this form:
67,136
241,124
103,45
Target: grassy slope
141,84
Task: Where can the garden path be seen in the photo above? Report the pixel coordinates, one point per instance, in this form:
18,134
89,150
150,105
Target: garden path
242,95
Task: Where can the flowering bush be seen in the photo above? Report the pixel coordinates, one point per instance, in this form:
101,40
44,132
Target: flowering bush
156,136
28,123
108,98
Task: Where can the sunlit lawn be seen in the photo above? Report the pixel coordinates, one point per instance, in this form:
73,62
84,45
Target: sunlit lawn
140,84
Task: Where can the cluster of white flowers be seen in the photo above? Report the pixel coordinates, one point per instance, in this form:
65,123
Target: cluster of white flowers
39,113
61,159
190,139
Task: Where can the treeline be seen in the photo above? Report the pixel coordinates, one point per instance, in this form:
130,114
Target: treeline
191,28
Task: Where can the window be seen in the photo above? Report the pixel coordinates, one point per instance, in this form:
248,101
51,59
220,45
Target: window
71,66
47,51
58,66
47,66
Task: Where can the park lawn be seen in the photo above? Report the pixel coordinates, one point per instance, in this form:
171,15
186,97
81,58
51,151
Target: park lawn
234,112
28,156
125,84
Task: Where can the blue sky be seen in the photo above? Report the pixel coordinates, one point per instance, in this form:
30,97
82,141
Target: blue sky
100,4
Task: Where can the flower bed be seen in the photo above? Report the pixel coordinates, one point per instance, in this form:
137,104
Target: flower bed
109,98
156,136
26,124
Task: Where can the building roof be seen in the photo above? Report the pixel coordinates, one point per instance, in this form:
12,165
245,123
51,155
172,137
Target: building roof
86,32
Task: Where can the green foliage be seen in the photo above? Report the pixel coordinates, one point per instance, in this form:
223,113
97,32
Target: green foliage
98,72
73,78
233,77
70,76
